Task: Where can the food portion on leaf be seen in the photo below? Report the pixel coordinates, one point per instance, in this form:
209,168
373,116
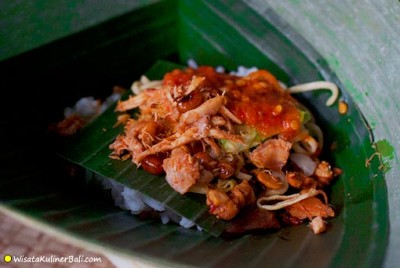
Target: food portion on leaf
244,142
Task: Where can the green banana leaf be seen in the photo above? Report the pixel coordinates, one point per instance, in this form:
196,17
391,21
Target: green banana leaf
228,33
90,149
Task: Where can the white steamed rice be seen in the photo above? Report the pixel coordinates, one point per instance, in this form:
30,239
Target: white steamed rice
136,202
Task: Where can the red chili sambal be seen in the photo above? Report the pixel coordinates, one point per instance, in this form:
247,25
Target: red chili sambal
256,99
259,101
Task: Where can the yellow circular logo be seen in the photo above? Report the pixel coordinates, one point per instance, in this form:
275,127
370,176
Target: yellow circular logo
7,258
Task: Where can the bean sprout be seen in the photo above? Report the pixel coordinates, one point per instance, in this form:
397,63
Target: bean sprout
288,199
318,85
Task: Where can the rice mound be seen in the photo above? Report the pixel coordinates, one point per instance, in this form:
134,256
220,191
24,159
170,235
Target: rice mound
136,202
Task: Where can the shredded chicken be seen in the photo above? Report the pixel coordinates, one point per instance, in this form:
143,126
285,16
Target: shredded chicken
181,169
221,205
272,154
309,208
